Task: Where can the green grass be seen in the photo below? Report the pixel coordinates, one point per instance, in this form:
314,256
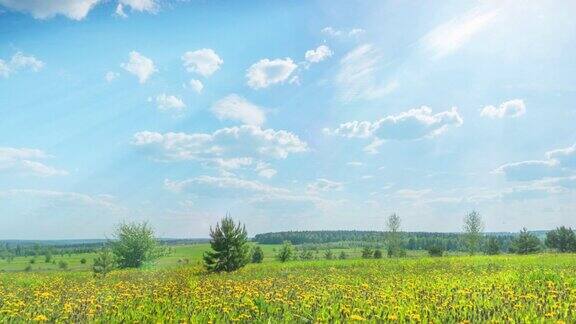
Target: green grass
180,253
506,288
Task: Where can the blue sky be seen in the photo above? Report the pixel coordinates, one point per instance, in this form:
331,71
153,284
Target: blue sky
287,114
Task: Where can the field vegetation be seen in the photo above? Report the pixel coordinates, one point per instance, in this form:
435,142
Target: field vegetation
134,278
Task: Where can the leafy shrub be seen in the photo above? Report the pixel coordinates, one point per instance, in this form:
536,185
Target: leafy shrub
135,244
435,250
63,265
367,252
377,254
562,239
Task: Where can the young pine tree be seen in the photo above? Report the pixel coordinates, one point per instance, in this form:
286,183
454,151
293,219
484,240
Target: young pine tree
103,263
493,246
230,250
367,252
257,254
525,243
285,252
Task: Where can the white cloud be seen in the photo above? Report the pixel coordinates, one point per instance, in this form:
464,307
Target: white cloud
166,102
267,72
529,170
150,6
235,107
333,32
267,173
566,156
120,11
323,185
559,163
412,194
203,61
318,55
20,61
110,76
358,76
44,9
25,161
233,142
221,187
4,69
196,85
140,66
355,163
511,108
450,36
410,125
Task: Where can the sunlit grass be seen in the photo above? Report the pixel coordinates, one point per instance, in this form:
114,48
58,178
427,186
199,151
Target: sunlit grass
453,289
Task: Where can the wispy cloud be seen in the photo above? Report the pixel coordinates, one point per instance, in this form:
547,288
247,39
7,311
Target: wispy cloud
450,36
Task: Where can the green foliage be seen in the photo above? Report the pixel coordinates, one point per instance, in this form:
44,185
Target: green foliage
367,252
473,229
230,250
28,268
135,244
306,255
492,246
328,255
562,239
47,257
377,254
394,239
286,251
63,265
525,243
32,261
257,254
104,262
83,261
435,250
342,255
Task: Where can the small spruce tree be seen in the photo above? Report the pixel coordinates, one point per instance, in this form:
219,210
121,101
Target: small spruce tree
104,262
257,254
286,251
367,252
229,247
525,243
493,246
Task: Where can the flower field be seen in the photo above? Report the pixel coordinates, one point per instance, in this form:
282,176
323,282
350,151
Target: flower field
538,288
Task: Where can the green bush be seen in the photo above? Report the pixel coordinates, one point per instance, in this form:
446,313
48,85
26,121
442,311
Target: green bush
135,244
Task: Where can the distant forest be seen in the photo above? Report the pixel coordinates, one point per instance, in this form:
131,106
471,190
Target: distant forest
410,240
10,248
